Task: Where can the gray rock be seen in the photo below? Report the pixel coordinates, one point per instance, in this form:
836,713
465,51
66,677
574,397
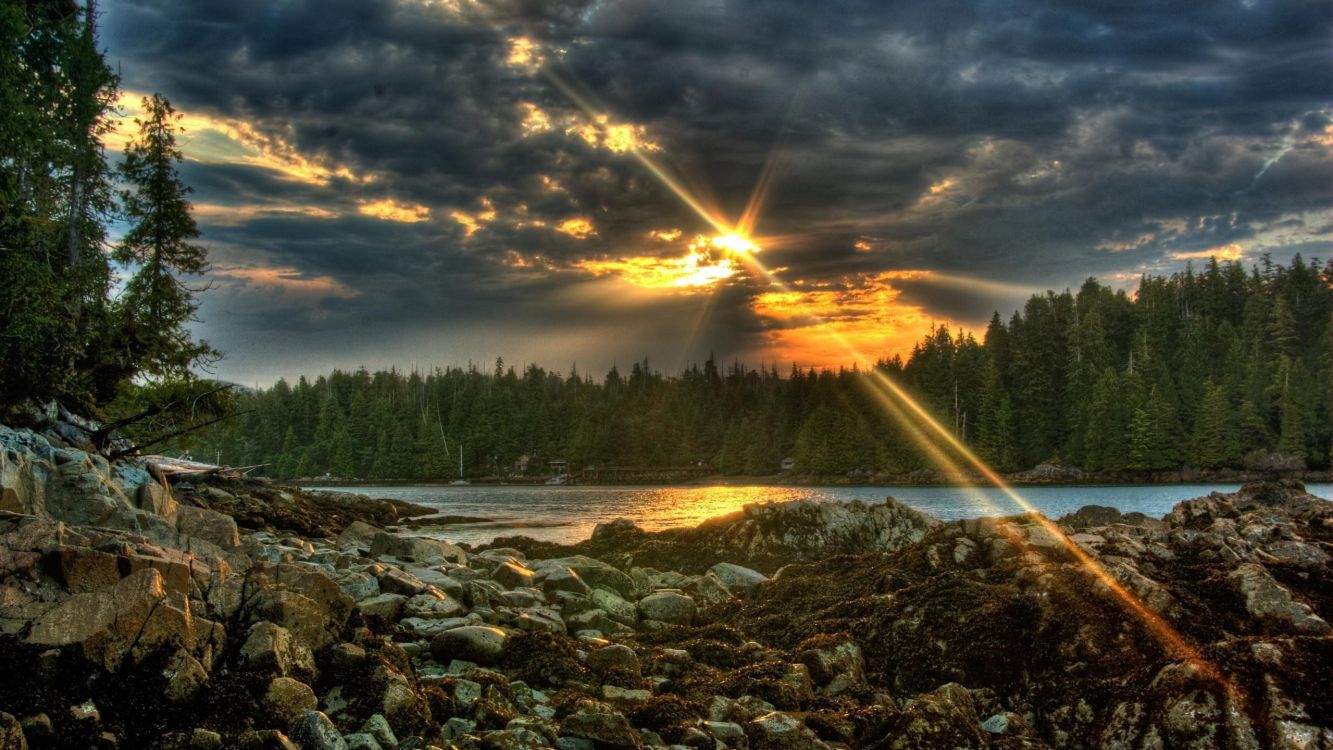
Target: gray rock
287,700
478,643
378,727
271,647
512,575
615,655
388,606
602,724
433,606
314,731
362,741
564,578
666,606
779,731
615,607
415,548
514,739
358,585
737,578
1268,600
209,525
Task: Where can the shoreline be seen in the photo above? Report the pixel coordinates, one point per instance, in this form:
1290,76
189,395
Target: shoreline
1118,480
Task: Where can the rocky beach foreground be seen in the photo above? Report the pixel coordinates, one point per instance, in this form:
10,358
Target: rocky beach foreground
143,609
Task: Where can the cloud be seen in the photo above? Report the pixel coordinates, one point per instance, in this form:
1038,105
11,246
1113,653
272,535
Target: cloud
1029,144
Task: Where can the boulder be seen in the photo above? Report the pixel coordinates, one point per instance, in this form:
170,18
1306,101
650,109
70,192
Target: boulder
601,724
1269,601
594,573
737,578
615,608
667,606
512,575
388,606
287,699
358,535
476,643
613,656
415,548
130,619
780,731
314,731
270,647
433,606
209,525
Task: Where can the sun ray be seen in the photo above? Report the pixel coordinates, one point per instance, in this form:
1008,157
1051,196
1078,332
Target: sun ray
916,421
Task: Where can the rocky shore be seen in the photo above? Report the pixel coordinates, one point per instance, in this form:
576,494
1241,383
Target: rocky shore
140,609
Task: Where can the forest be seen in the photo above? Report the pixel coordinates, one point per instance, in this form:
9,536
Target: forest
96,249
1223,366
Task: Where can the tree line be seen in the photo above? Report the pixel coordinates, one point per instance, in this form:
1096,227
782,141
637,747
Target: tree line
1220,367
89,317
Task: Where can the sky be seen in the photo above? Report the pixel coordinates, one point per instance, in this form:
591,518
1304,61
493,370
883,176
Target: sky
582,183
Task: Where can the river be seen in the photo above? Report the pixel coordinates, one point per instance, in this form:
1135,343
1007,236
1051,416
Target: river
568,514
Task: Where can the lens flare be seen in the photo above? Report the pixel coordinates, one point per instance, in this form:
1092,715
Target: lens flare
934,440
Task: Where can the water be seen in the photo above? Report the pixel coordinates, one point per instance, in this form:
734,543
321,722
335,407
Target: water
568,514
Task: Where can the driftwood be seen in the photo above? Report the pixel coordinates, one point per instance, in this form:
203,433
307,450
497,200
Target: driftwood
101,436
134,449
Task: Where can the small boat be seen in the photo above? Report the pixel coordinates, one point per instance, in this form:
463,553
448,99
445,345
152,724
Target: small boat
558,479
459,482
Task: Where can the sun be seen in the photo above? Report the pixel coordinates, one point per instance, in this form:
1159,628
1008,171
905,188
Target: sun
733,244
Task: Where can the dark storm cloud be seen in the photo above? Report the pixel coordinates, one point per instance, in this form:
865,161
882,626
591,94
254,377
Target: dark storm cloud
1033,142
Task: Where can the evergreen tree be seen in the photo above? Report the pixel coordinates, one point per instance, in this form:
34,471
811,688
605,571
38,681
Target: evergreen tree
1214,439
156,304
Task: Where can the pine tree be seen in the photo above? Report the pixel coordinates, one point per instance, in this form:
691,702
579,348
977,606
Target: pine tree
1214,439
156,305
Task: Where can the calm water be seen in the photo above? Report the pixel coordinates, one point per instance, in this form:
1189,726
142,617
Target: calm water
567,514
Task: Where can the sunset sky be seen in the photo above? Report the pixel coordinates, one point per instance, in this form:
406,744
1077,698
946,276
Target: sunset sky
421,183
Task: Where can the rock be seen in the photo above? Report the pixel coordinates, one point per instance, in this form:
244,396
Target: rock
514,739
945,717
129,620
564,579
613,656
358,535
1007,723
709,589
205,739
594,573
267,739
357,584
1267,600
185,676
209,525
433,606
511,575
477,643
270,647
84,570
314,731
834,664
737,578
388,606
378,727
362,741
602,724
615,693
415,548
287,699
395,581
615,608
11,733
780,731
666,606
